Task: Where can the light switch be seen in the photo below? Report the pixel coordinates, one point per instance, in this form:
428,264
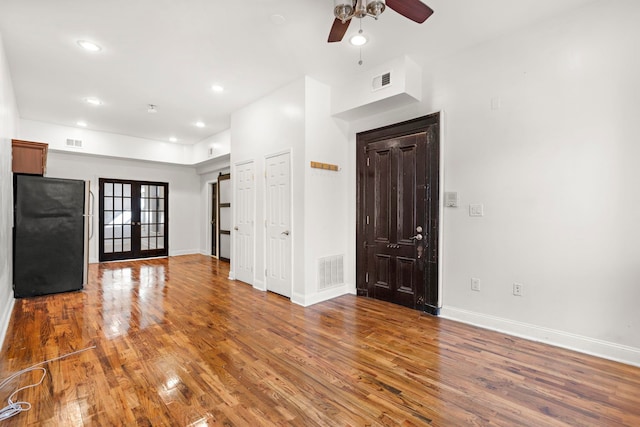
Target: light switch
476,210
451,199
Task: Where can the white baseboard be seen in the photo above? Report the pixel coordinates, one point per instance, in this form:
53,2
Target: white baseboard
184,252
580,343
259,285
325,295
4,321
232,275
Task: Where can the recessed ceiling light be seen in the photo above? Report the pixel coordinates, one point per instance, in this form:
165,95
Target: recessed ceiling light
93,101
81,124
200,124
90,46
173,139
217,88
358,40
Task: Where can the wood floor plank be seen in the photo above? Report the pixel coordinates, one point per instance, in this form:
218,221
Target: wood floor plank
178,344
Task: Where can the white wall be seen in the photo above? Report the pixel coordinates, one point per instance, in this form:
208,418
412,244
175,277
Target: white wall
325,192
219,145
297,119
8,131
555,167
184,195
272,125
105,143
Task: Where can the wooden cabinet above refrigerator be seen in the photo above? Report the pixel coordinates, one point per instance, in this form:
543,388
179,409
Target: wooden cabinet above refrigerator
29,157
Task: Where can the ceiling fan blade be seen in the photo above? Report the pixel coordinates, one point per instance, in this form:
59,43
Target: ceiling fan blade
412,9
338,29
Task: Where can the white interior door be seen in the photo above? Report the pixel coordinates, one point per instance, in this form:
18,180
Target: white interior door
278,274
244,222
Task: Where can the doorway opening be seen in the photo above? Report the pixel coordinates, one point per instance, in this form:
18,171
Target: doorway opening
398,213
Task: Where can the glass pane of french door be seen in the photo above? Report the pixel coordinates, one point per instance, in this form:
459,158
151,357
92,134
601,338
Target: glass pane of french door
133,219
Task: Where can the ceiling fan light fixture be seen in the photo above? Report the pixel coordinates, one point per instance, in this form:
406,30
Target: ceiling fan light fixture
361,9
375,8
343,10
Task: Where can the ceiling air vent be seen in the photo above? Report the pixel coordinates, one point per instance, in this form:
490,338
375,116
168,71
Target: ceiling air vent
74,143
381,81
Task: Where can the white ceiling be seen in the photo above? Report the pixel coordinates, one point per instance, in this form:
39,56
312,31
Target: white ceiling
170,52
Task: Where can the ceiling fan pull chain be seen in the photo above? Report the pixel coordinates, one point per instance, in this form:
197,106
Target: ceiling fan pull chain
360,32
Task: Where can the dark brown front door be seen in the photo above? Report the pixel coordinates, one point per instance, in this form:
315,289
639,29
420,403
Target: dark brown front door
398,213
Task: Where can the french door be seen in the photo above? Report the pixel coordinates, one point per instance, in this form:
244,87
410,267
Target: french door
133,219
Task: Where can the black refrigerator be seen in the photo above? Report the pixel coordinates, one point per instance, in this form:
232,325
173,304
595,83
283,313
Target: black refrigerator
50,235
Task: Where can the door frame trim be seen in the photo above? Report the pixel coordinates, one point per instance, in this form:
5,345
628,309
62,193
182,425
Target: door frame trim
363,139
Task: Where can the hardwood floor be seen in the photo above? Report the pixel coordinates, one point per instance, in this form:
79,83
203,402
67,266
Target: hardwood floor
178,344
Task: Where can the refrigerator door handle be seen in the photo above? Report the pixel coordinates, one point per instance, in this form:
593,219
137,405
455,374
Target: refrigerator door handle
92,201
88,229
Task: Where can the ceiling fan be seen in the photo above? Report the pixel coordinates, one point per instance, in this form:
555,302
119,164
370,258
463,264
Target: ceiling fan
346,9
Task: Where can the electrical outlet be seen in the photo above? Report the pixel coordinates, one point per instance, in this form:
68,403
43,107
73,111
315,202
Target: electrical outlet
517,289
475,284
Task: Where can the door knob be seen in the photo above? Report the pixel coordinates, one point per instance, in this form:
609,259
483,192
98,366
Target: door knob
286,232
235,228
416,237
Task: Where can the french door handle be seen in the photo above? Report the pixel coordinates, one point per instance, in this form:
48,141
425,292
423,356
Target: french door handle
416,237
286,232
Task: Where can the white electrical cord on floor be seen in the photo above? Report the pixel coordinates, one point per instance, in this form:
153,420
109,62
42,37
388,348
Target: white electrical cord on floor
14,408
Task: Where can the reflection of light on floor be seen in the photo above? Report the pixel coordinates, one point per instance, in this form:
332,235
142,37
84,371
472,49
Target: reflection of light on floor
116,300
123,289
202,422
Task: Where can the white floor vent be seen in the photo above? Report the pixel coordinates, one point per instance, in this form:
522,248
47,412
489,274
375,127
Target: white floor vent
330,271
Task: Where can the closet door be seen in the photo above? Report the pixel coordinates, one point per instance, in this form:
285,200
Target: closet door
133,219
